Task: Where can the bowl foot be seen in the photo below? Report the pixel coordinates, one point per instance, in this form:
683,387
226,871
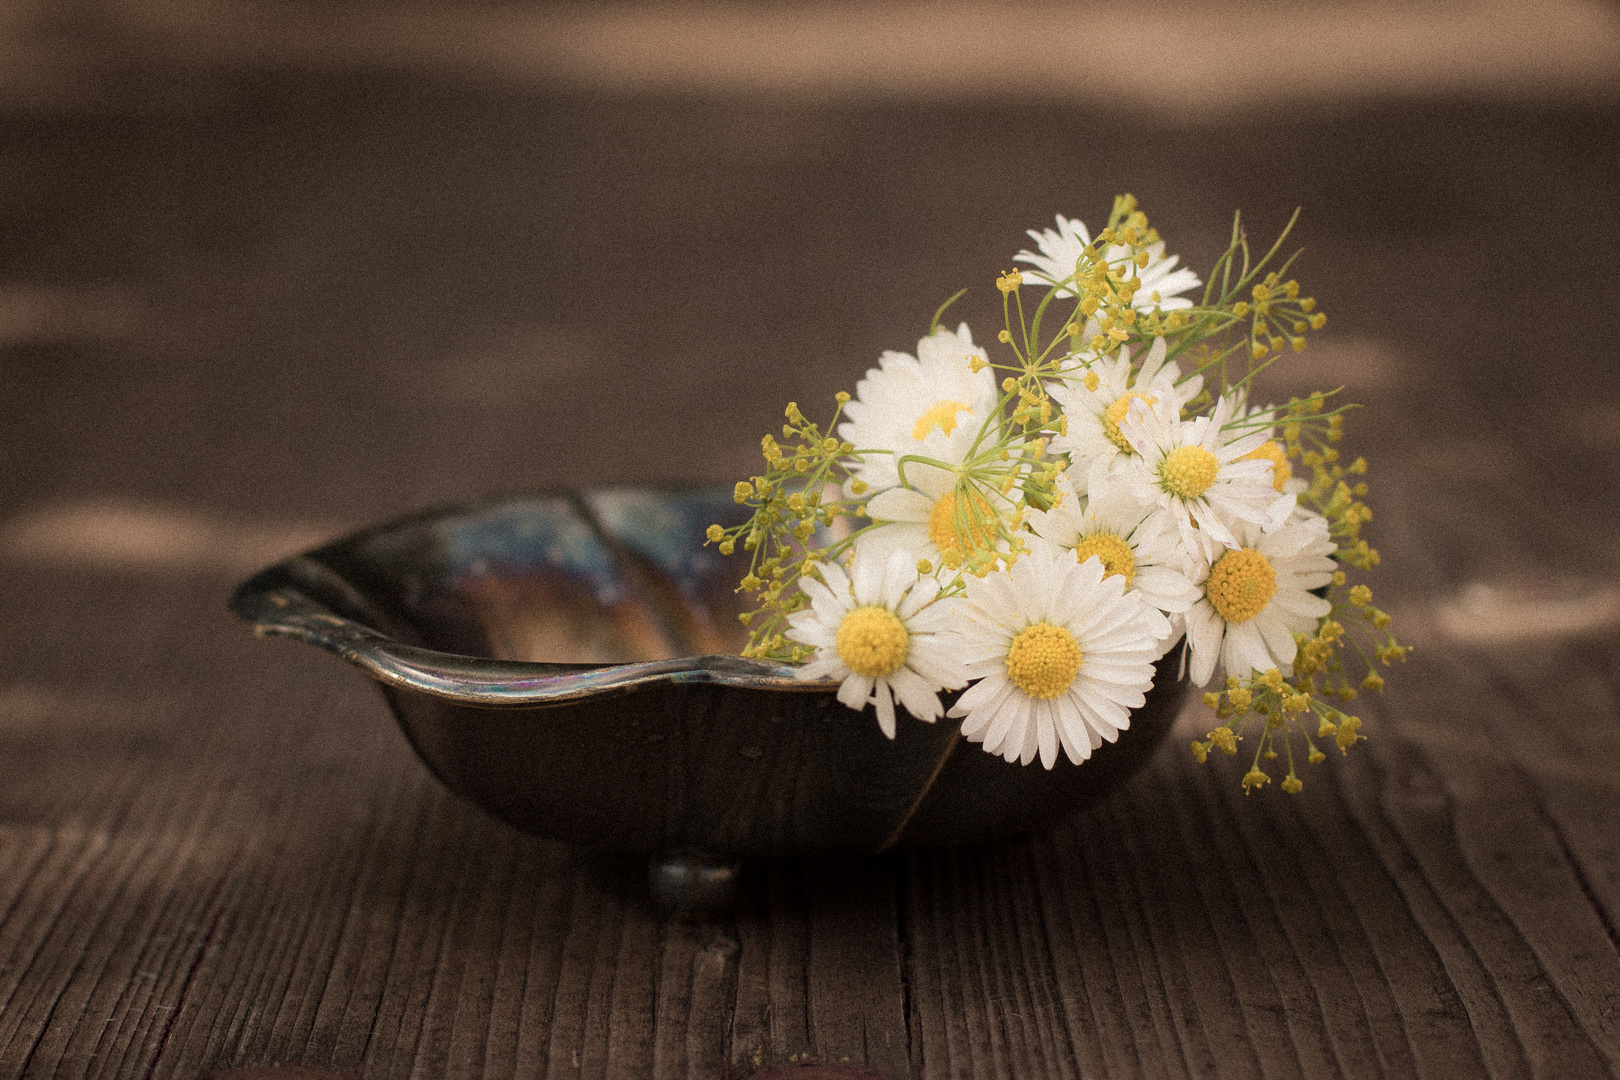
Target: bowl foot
693,884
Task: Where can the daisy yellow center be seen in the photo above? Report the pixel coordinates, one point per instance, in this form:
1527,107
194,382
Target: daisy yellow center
1115,554
872,641
1189,471
1281,471
948,534
1116,412
1043,661
1241,584
942,416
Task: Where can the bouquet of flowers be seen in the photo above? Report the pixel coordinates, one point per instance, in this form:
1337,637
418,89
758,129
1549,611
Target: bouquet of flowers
1044,521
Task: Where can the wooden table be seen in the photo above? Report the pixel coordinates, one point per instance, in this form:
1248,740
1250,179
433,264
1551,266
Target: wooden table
264,309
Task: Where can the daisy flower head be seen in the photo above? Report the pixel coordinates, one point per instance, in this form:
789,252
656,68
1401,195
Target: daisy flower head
1062,653
932,405
936,519
877,629
1159,283
1251,420
1198,472
1132,541
1095,400
1257,596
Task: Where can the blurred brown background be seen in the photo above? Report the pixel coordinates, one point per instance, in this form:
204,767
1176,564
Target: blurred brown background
270,271
307,264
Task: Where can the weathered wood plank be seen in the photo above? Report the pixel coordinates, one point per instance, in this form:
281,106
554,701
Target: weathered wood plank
215,852
1504,837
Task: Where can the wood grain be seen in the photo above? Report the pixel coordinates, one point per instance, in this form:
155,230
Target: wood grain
362,294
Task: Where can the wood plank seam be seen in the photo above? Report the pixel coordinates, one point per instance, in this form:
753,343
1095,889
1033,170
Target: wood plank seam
185,994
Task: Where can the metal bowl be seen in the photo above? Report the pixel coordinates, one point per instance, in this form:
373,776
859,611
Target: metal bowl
567,662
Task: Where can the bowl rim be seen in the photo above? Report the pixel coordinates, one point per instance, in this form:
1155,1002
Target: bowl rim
286,600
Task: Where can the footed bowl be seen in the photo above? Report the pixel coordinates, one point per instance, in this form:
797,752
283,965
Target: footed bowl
567,662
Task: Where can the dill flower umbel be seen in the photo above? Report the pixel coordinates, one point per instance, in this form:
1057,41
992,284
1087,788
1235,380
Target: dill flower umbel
1043,519
877,630
1158,282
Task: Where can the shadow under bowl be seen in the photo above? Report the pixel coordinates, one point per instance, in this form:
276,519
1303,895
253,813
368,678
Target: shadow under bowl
567,662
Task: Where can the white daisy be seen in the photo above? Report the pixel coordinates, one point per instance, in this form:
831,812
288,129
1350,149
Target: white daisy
1282,470
930,519
1257,597
932,404
1131,540
1197,473
1095,400
1160,281
1062,654
877,629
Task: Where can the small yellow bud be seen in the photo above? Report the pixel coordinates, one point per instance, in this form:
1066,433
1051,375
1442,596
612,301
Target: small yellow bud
1253,780
1212,699
1257,350
1316,757
842,397
715,534
1298,345
1009,384
859,487
976,365
728,546
1292,785
1373,681
1318,321
1200,752
924,566
1239,698
1261,293
1241,309
1004,337
742,492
